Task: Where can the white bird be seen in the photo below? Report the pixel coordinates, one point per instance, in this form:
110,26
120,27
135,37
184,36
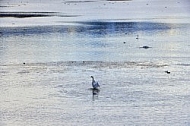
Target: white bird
95,84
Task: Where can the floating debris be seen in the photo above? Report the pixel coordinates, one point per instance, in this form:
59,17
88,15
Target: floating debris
145,47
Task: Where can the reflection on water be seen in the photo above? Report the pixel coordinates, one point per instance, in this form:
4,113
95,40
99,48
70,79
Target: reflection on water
95,93
44,74
92,41
58,93
49,49
107,28
94,29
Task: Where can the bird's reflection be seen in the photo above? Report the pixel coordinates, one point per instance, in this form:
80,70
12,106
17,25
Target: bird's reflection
95,93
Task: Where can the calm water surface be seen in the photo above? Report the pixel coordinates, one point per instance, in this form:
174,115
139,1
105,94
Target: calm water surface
45,72
92,41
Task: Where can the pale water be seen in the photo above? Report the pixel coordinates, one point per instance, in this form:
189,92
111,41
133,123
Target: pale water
47,58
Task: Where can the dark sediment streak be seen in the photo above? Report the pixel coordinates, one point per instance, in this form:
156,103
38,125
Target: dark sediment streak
95,64
23,15
119,0
85,1
5,6
32,14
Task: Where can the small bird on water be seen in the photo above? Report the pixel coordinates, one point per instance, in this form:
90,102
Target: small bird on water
168,72
95,84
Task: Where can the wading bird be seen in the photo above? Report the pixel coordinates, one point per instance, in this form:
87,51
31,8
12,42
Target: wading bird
95,84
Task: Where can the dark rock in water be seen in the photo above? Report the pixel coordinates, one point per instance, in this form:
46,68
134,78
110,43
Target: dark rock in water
145,47
124,42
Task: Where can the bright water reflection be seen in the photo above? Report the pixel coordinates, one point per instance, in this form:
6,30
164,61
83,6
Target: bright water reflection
132,93
86,41
58,93
45,70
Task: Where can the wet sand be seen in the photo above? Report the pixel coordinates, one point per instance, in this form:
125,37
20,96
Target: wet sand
138,55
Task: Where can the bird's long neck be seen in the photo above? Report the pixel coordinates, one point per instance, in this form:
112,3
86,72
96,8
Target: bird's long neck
93,80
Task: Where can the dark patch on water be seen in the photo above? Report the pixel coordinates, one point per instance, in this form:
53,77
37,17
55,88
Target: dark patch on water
101,64
119,0
32,14
23,72
79,1
4,6
125,27
26,14
3,72
145,47
30,30
94,29
183,64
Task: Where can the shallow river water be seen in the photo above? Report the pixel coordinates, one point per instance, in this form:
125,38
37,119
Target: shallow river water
140,59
